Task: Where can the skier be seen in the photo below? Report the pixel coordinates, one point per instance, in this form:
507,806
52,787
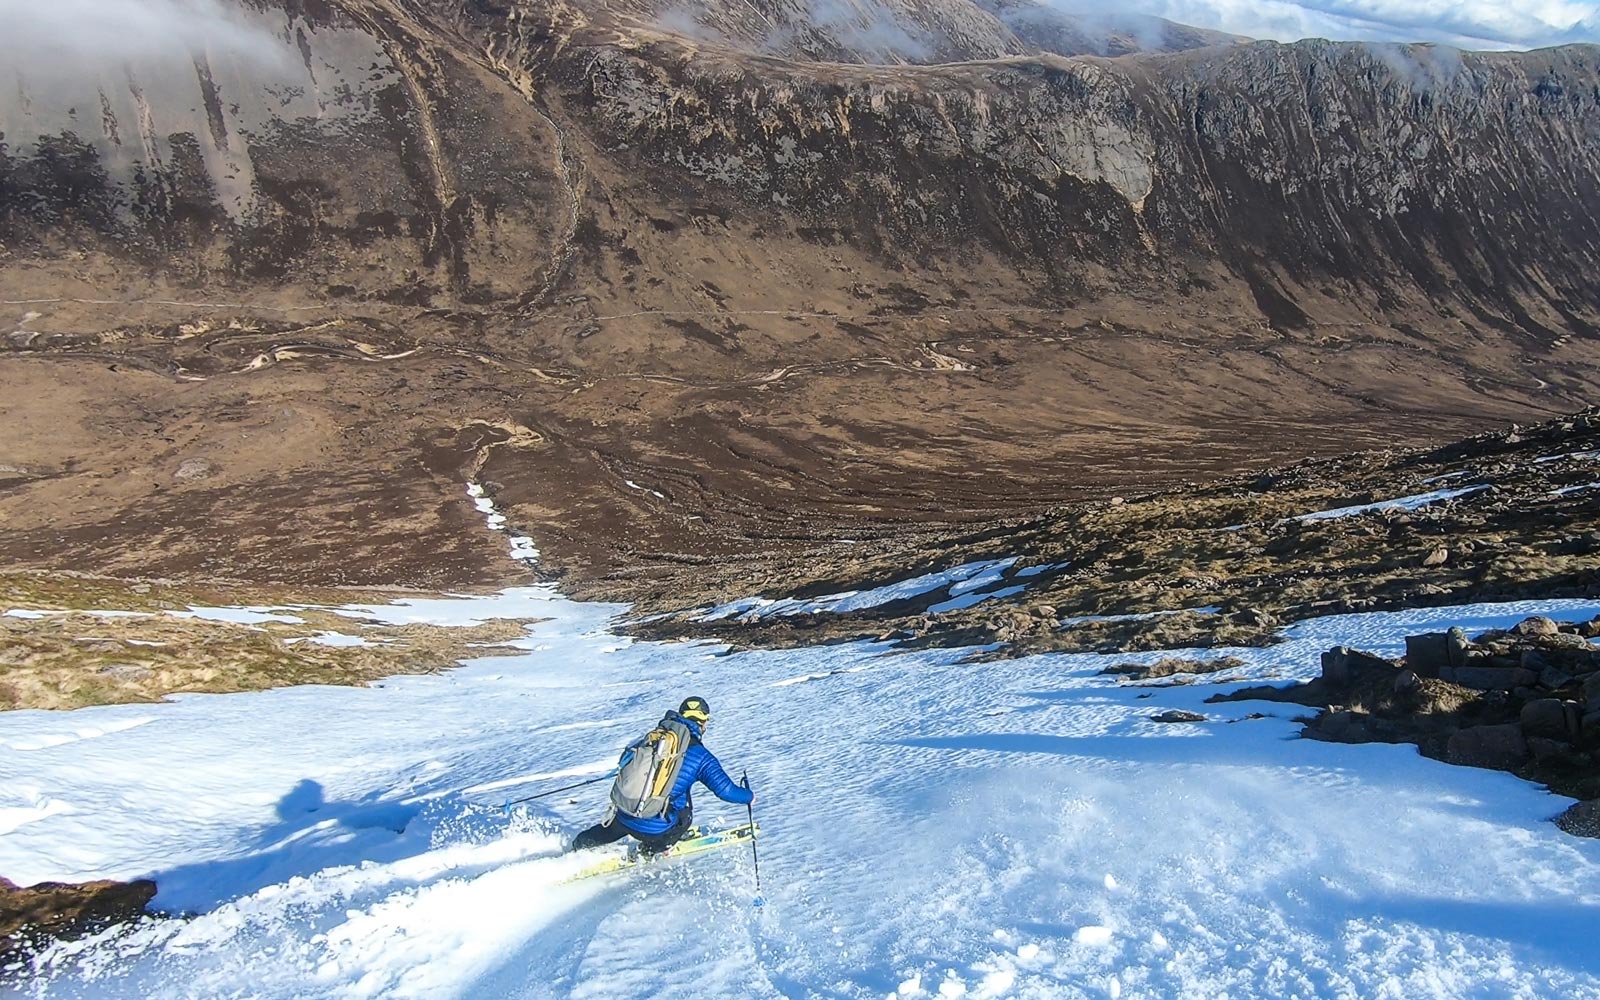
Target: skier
649,802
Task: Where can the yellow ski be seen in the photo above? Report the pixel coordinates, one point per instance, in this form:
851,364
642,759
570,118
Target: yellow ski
696,841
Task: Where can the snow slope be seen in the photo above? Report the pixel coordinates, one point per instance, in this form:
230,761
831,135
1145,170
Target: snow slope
931,828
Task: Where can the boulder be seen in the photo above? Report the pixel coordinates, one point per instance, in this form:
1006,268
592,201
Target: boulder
1341,727
1456,646
1591,692
1489,678
1545,717
1341,665
1582,819
1438,557
59,910
1501,747
1544,749
1537,625
1250,616
195,468
1178,715
1406,682
1554,678
1563,641
1428,653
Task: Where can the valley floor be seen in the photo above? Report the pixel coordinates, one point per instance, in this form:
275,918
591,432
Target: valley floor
930,828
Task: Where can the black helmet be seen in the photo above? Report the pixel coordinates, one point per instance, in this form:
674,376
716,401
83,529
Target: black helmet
695,710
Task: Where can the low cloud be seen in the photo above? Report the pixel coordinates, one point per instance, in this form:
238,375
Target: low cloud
1476,24
62,37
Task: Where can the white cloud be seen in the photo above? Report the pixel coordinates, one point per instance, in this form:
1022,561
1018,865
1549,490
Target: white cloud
74,35
1477,24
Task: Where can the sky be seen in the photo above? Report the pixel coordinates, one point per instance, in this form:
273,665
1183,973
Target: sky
1474,24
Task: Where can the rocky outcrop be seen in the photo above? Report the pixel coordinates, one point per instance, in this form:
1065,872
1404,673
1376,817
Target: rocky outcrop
57,910
451,142
1525,699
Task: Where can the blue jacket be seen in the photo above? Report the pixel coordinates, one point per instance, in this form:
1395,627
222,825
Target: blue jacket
701,765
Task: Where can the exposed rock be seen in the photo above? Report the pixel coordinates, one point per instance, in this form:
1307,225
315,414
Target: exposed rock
1341,727
1546,717
1537,625
1545,749
1167,666
1489,678
1343,666
195,468
1501,747
1564,641
1253,616
1581,819
55,910
1428,653
1177,715
1438,557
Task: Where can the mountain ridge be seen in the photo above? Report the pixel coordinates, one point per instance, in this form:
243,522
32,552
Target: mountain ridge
531,246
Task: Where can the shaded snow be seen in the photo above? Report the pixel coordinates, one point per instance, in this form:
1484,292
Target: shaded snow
1400,503
331,639
930,828
958,579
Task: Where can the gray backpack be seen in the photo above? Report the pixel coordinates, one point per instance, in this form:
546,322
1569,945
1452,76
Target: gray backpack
649,767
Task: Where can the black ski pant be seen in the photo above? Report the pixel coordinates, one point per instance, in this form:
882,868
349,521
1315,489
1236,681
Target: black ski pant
611,831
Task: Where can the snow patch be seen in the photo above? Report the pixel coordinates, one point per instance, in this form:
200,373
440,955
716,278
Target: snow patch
333,639
964,577
238,616
325,842
1414,502
645,489
522,547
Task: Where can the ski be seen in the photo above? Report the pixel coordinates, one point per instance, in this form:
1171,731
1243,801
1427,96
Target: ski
697,841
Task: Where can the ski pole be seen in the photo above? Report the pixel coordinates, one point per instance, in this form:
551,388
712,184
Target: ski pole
557,791
750,810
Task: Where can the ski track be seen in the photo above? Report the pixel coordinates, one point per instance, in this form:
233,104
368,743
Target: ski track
930,829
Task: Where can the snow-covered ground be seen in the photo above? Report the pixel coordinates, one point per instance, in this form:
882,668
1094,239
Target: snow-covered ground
931,828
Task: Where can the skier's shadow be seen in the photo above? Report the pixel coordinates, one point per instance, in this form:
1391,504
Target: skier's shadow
313,833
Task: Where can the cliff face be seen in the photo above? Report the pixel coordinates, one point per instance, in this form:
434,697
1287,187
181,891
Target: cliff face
427,143
1409,174
314,146
834,265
